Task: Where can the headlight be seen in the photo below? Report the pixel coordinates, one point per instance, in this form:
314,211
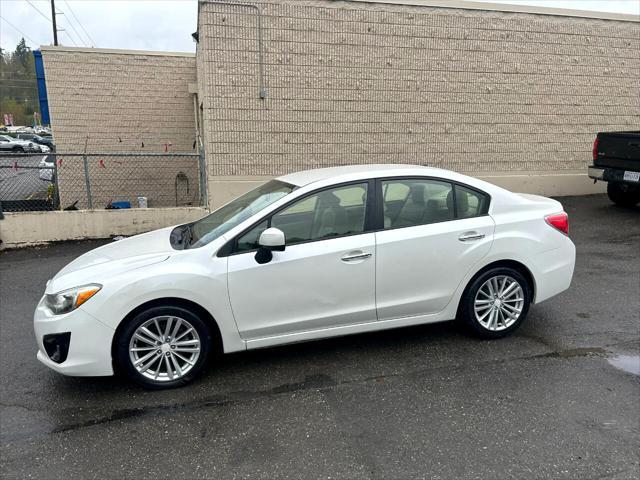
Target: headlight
68,300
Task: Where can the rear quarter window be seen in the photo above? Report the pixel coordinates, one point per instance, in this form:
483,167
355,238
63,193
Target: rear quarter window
470,203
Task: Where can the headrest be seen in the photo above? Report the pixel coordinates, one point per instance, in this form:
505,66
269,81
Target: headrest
417,193
462,199
329,199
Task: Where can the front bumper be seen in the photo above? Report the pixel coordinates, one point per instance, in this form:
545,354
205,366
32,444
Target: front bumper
89,348
607,174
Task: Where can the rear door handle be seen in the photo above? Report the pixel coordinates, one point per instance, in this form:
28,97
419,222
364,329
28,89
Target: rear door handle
470,236
355,256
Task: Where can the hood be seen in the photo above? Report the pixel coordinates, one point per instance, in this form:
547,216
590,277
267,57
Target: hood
115,257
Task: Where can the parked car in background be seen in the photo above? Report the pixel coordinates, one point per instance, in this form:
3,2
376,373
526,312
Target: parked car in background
15,145
309,255
40,140
44,131
46,168
616,160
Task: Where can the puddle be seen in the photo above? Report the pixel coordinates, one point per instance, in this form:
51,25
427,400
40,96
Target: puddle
628,363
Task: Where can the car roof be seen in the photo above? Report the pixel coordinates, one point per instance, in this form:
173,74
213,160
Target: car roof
356,172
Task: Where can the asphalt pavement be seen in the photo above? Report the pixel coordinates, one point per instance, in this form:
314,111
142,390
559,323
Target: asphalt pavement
558,399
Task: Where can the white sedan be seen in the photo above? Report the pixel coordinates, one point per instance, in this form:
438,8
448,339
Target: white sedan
310,255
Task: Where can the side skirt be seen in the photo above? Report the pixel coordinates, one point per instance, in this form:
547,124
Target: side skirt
346,330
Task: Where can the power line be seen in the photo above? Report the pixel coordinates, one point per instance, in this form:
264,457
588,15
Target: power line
21,86
70,37
18,30
80,23
74,28
62,30
39,11
10,84
59,13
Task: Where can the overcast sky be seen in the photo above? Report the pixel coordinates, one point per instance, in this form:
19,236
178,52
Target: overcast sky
158,24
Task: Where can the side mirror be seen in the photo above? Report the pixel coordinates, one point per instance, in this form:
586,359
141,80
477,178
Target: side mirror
272,239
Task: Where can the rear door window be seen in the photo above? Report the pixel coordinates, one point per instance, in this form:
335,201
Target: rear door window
409,202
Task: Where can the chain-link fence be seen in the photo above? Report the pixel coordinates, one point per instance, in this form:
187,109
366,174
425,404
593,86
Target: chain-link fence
28,182
71,181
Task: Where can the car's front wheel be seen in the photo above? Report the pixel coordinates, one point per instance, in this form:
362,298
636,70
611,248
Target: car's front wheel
496,302
163,347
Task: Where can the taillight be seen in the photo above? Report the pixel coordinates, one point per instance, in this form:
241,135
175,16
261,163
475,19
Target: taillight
559,221
595,149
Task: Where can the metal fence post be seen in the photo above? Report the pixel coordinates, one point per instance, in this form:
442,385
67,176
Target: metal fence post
56,185
202,164
87,181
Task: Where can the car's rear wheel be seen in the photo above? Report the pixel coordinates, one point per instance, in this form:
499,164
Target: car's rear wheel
496,302
623,194
163,347
18,149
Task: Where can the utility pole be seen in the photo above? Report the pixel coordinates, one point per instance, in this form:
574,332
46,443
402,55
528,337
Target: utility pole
53,18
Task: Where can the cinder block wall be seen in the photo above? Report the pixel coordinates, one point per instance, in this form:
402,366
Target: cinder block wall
122,101
515,98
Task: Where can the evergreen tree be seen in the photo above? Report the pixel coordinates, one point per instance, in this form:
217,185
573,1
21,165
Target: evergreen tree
18,89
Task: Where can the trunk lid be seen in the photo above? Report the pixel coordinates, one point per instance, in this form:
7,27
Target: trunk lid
552,204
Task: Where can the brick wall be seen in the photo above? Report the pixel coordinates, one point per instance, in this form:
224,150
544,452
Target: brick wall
349,82
122,101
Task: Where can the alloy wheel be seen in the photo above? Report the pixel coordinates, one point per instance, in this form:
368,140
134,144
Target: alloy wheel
164,348
498,303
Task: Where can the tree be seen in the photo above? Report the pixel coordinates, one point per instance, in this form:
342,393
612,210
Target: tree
23,53
18,88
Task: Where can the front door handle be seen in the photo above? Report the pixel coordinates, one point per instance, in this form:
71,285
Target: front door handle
470,236
355,256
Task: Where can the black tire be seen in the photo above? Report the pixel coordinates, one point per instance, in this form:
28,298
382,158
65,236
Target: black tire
466,311
17,150
124,362
623,194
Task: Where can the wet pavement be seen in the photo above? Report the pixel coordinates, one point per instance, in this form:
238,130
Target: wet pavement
558,399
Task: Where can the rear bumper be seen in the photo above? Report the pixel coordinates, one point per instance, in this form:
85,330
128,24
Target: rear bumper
608,174
554,270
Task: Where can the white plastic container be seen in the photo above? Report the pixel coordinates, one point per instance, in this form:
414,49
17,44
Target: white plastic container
142,202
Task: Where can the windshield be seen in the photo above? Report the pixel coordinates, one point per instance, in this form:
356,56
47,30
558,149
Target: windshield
207,229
